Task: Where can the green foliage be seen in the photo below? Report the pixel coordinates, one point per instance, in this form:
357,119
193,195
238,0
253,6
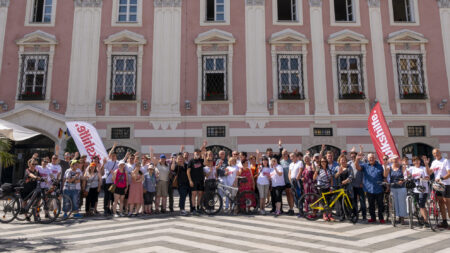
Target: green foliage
71,147
6,158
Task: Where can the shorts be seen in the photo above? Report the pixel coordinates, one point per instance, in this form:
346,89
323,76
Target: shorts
263,190
198,186
162,188
148,198
120,191
287,186
277,194
446,193
421,198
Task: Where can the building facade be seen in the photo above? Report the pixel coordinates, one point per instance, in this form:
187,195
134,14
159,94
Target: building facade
241,74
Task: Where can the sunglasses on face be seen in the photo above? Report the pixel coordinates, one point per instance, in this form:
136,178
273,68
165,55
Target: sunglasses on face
34,164
323,161
45,161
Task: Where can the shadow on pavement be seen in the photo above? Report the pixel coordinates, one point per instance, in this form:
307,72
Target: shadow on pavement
11,245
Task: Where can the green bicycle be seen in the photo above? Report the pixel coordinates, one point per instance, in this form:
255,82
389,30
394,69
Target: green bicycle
313,205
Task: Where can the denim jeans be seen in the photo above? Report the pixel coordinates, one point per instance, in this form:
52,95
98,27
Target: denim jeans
296,187
74,196
183,191
358,193
399,195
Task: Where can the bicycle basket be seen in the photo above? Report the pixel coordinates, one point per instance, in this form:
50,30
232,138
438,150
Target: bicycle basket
7,188
210,185
410,184
421,188
438,187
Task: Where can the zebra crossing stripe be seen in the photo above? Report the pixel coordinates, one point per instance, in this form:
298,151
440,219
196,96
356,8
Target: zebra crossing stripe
155,249
443,251
299,243
293,220
387,237
370,229
416,244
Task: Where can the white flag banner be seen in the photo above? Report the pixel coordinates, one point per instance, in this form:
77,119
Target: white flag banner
87,139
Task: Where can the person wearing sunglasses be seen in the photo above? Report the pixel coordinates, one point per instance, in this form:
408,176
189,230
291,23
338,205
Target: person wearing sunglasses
324,179
31,177
45,172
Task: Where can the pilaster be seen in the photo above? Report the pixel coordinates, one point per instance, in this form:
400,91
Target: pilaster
318,54
255,48
165,100
444,12
4,4
82,94
379,59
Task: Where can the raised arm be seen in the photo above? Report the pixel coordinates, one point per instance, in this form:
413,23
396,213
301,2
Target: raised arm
152,157
358,159
112,150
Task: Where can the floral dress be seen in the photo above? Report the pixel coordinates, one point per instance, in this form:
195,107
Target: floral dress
248,186
308,183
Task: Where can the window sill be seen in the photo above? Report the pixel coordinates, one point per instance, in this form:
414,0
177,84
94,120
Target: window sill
288,23
345,23
40,24
122,101
127,24
352,100
292,101
407,101
405,23
214,23
214,102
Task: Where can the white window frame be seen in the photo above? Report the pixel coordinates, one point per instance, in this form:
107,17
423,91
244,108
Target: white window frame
115,15
298,22
409,72
29,15
45,46
282,43
344,43
24,73
414,13
356,15
347,71
115,72
396,40
204,22
113,41
290,71
205,72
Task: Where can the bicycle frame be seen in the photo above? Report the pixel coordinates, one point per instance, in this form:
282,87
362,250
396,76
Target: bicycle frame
340,193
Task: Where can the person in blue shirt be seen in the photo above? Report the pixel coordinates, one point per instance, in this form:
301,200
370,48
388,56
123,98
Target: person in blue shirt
372,176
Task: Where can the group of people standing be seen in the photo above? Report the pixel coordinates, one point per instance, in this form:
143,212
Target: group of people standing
141,184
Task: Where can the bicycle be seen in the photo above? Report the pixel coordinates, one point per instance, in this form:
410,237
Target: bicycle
211,202
434,211
413,205
389,206
38,201
9,204
320,204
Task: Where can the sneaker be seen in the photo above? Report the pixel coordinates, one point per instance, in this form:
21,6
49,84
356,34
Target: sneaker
371,221
194,212
171,210
291,213
65,216
121,215
443,224
426,224
116,215
312,216
277,213
183,213
272,211
382,221
262,212
325,217
78,216
163,211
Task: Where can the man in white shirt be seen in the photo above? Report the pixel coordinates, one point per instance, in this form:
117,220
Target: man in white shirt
45,173
295,171
55,168
441,170
108,168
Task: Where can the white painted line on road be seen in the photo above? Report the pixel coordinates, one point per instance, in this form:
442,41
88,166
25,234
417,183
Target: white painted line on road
155,249
416,244
294,220
387,237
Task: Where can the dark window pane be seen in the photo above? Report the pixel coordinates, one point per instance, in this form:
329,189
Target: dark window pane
120,133
294,63
119,65
215,86
210,64
340,10
39,80
220,64
29,80
216,131
285,10
130,65
30,64
41,64
38,11
210,10
353,63
284,64
323,131
400,10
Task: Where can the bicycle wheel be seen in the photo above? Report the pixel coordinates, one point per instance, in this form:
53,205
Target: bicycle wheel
248,202
9,208
392,210
47,210
386,207
434,214
306,201
410,211
211,203
66,206
23,214
349,212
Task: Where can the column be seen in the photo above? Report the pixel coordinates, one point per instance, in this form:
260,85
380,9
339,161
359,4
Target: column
3,16
166,59
318,54
255,54
379,60
444,11
84,58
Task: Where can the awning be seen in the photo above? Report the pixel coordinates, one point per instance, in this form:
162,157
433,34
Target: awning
15,132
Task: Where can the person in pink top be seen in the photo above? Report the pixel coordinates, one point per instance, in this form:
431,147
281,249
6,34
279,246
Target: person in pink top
136,196
120,180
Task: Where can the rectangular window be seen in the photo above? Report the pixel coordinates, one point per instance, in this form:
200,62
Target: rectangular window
214,78
215,131
323,131
42,11
215,10
123,84
350,77
33,77
287,10
128,11
120,133
416,131
403,10
410,76
343,11
290,77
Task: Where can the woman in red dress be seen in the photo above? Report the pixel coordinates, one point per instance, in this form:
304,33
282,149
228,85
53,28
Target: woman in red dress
246,172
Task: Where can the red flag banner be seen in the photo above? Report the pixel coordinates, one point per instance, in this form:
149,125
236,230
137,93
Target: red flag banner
381,135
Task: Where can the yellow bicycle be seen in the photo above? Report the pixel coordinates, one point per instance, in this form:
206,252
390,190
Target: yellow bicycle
313,205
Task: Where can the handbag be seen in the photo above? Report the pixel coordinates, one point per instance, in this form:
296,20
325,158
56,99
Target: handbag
175,180
112,188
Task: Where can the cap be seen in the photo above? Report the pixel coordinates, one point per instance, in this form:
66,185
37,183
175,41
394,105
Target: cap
121,162
344,152
162,156
174,154
93,164
148,157
74,162
316,154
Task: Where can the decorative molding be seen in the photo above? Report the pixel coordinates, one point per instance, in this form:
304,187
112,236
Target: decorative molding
255,2
4,3
215,36
167,3
257,123
288,36
88,3
373,3
406,36
347,37
165,124
131,38
37,38
444,3
315,3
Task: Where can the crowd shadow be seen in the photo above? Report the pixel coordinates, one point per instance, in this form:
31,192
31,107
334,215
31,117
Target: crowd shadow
21,244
